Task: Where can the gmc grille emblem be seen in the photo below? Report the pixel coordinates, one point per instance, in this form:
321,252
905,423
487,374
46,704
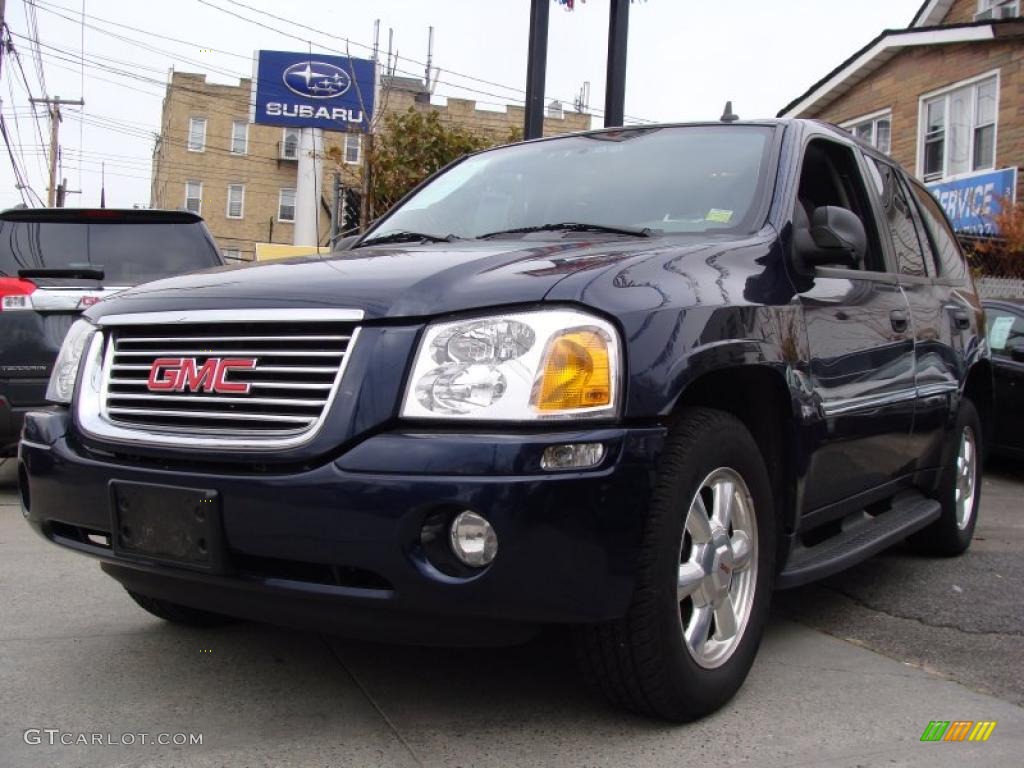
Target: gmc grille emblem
184,374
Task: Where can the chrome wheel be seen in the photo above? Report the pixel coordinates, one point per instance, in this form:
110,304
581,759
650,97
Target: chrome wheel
717,568
966,477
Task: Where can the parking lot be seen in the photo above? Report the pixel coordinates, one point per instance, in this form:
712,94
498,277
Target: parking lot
850,674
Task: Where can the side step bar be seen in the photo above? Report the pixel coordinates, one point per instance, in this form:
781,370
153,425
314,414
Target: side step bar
861,536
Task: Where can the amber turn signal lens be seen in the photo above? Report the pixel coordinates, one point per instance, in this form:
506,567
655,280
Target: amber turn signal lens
576,373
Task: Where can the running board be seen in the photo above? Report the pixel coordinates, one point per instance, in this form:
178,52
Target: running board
861,536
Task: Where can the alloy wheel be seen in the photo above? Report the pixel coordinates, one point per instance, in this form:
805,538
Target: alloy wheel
717,568
966,477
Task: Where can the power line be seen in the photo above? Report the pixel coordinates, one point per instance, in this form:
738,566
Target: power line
81,88
12,52
364,46
19,178
147,45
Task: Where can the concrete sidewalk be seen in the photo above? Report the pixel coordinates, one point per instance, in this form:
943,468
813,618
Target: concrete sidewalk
77,655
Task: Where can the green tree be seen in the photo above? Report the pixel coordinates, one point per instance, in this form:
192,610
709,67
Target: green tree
412,145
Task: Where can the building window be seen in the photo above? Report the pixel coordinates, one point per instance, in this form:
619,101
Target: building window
286,205
232,254
290,144
989,10
353,147
876,130
194,197
236,201
958,130
239,137
196,134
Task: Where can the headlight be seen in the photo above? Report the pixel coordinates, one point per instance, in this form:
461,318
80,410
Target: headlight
548,364
65,370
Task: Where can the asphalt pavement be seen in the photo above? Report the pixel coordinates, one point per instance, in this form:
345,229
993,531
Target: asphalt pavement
850,674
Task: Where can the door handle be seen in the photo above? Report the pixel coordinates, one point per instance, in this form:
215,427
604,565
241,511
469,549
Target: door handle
961,319
898,318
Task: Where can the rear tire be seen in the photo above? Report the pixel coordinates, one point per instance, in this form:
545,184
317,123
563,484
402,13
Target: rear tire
959,490
681,651
179,614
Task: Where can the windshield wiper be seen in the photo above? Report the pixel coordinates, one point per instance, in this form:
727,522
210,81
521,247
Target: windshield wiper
572,226
408,237
79,273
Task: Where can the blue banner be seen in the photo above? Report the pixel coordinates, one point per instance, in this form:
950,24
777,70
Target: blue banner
312,90
971,202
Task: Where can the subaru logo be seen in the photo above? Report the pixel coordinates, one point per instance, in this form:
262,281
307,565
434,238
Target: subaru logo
316,80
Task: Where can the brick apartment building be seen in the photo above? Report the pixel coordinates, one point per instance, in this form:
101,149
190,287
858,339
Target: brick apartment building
944,97
240,177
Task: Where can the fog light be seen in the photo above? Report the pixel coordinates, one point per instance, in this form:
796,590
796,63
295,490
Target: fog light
473,539
572,456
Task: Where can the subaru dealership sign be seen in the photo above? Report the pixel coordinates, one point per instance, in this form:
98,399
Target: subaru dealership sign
971,202
307,90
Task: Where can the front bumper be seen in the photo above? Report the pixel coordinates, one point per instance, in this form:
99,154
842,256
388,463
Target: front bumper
337,546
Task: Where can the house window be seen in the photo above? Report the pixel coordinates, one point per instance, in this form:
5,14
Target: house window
194,197
236,201
290,144
286,205
353,146
876,130
958,130
993,10
196,134
239,137
232,254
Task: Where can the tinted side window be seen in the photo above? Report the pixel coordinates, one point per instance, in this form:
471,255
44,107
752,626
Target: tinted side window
906,238
831,176
948,256
1003,327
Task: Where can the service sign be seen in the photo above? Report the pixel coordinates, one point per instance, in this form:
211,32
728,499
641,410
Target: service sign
312,90
971,202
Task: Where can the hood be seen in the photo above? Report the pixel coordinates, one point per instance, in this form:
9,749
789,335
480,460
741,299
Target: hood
389,281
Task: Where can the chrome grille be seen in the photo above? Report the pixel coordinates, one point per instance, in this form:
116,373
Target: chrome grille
296,371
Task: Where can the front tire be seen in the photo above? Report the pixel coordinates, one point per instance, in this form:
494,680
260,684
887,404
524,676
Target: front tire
704,578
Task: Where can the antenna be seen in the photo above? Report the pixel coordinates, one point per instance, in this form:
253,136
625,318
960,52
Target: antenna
376,38
729,116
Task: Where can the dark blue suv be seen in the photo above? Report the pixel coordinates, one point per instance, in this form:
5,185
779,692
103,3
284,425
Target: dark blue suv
629,381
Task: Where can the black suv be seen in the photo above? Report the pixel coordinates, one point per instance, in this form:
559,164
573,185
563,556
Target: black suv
56,262
629,380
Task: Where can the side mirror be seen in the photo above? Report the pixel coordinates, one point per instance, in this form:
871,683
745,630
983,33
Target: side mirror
1016,349
345,243
836,237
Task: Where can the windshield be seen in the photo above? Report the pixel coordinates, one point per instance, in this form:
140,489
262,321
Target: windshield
693,179
128,253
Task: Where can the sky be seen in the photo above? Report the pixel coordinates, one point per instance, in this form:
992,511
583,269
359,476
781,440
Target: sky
685,60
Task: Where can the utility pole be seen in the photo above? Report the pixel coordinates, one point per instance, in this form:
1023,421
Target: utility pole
53,106
63,192
3,11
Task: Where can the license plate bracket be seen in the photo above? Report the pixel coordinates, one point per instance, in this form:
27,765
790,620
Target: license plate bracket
168,524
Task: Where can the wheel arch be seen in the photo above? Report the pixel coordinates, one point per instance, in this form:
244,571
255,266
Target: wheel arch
760,397
979,388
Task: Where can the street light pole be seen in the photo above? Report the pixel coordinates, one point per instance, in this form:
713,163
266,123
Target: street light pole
536,69
615,88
